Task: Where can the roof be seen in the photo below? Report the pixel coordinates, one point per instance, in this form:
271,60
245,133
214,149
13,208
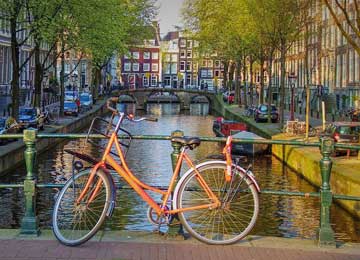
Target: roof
171,36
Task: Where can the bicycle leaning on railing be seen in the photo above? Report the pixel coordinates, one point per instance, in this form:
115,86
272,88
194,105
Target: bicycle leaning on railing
217,201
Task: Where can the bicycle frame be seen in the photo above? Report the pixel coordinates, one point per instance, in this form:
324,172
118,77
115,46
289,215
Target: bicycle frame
140,187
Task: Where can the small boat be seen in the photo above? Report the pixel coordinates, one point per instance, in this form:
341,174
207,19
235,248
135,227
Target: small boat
248,148
224,128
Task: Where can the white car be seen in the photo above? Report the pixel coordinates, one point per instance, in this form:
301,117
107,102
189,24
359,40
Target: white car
86,101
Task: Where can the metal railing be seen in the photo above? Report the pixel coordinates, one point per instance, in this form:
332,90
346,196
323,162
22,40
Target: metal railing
325,234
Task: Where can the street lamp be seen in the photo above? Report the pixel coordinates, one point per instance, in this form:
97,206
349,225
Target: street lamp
292,80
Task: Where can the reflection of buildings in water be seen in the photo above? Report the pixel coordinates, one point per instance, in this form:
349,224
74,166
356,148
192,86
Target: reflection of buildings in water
199,109
163,109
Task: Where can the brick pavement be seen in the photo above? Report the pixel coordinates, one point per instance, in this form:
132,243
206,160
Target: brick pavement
18,249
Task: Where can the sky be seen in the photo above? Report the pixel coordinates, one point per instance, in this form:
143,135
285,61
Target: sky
169,15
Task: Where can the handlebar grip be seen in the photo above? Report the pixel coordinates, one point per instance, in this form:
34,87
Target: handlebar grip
109,103
152,119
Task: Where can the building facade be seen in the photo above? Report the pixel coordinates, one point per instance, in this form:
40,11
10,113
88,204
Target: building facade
333,72
141,67
170,60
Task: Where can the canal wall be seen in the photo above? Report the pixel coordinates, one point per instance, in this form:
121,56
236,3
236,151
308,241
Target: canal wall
344,180
345,174
12,155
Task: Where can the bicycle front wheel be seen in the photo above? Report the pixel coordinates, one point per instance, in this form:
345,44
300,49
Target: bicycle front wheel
75,223
233,219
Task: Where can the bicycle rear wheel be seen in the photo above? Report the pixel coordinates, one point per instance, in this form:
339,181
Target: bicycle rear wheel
75,223
230,222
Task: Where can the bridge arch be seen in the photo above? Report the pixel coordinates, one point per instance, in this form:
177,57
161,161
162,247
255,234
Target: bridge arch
183,96
127,98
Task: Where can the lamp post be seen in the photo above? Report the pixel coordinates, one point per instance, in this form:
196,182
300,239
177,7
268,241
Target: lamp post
292,80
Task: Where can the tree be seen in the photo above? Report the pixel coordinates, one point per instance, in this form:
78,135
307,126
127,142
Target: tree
348,9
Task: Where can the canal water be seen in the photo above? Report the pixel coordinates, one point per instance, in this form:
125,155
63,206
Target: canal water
279,216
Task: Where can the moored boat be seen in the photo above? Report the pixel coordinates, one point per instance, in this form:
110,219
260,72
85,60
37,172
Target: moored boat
224,128
248,148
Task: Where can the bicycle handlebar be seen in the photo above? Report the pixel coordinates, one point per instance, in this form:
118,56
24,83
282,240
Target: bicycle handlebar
109,102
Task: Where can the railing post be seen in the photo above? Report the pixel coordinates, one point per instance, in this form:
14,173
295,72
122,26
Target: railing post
175,228
30,222
325,232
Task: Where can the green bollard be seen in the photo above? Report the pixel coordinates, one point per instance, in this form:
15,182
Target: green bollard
176,229
325,233
30,222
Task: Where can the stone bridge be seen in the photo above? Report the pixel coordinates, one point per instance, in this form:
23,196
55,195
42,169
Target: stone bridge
184,97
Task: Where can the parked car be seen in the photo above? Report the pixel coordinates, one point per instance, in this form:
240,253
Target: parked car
71,108
344,132
8,126
71,95
261,113
31,117
86,101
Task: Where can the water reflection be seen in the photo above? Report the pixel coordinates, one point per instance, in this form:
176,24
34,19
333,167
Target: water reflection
279,215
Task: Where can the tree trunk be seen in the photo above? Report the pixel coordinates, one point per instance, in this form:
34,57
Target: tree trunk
96,82
226,67
38,75
262,88
244,89
62,78
238,82
251,81
231,76
270,98
282,80
15,69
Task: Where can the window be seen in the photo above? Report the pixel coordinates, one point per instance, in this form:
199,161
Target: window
127,66
188,79
146,55
155,55
189,43
217,64
146,67
189,54
203,73
167,57
182,65
210,63
135,55
145,81
182,54
188,66
174,57
153,80
126,56
135,66
167,68
167,81
217,73
173,68
210,73
154,67
182,43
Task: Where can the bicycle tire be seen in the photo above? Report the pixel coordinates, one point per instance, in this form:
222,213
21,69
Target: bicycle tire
229,223
69,219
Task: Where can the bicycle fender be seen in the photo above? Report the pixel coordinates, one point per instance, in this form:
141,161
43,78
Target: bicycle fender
111,208
251,177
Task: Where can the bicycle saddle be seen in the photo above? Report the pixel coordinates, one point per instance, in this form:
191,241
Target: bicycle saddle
191,142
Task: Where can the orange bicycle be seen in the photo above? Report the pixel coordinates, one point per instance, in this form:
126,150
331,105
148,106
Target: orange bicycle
216,201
